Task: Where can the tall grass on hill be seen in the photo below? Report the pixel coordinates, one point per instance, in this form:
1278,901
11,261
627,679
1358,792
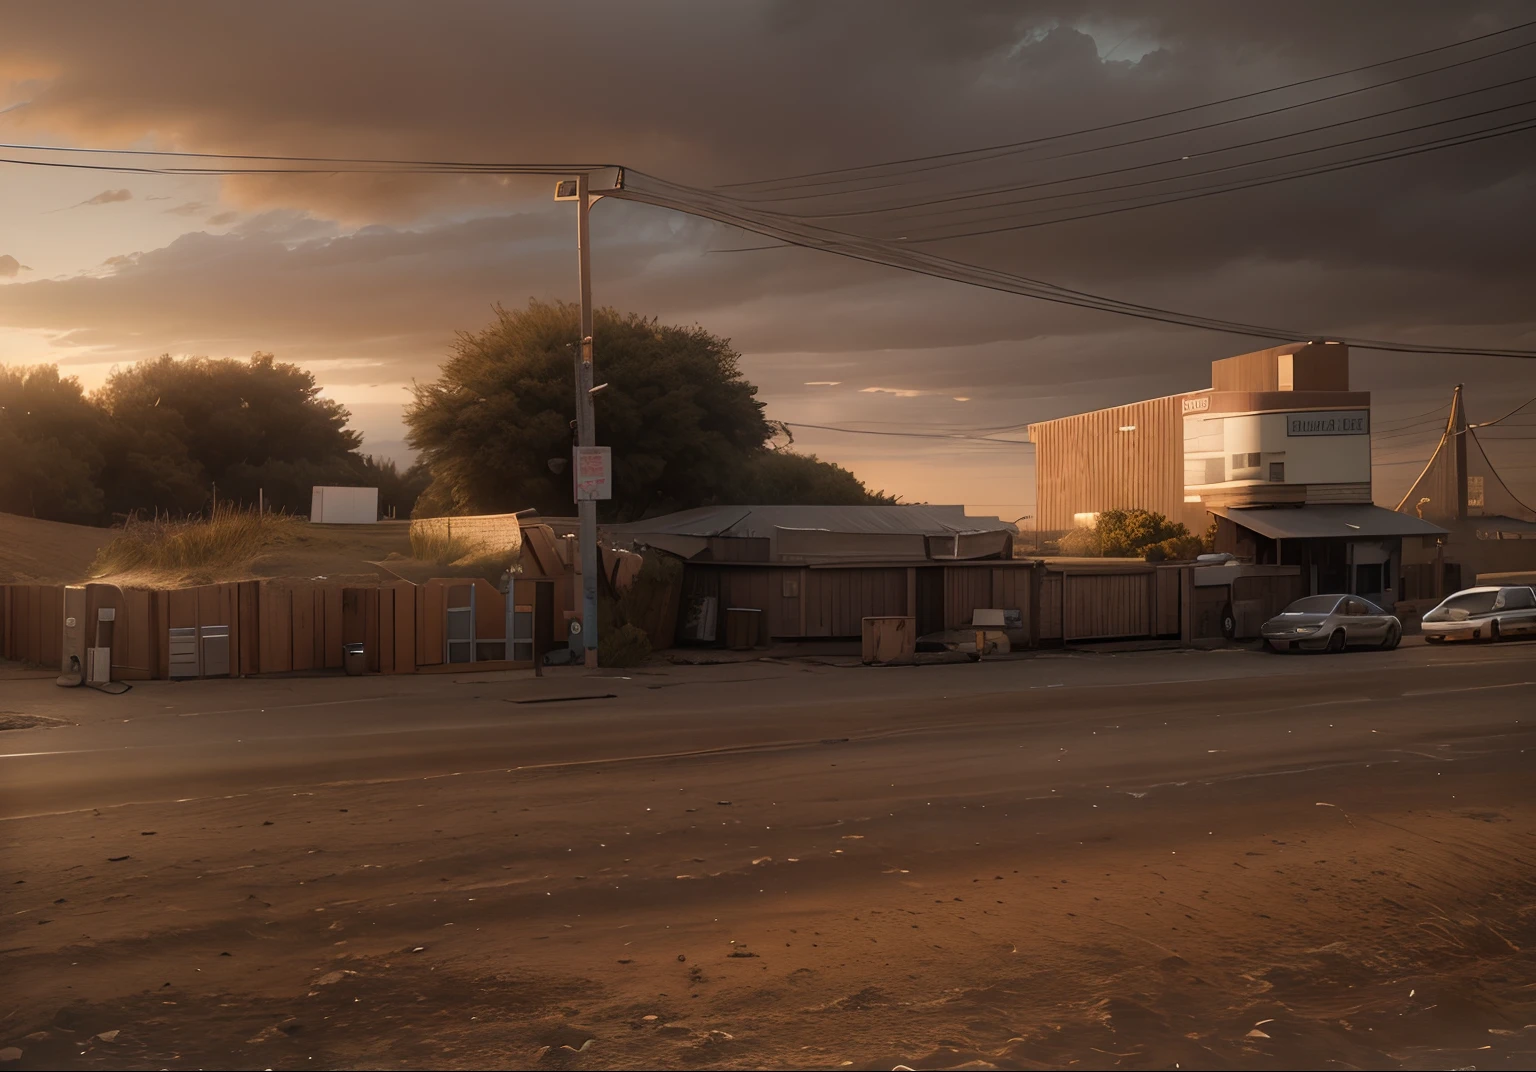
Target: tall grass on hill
230,537
439,546
442,548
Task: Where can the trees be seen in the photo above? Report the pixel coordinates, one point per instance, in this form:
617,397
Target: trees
160,435
685,427
784,477
50,446
398,491
179,428
1134,534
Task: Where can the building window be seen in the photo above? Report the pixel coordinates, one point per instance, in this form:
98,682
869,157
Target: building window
1253,460
1277,472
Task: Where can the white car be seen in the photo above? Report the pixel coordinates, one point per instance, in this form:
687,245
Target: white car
1483,614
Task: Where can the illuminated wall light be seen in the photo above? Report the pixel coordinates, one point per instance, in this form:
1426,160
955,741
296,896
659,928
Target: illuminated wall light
1127,428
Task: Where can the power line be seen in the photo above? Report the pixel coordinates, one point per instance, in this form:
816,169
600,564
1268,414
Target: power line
711,206
951,437
455,165
1017,188
1511,413
660,192
1429,427
551,170
1449,142
1437,411
1010,147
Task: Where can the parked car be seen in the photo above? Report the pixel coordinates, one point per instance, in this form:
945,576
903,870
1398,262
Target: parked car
1483,614
1331,623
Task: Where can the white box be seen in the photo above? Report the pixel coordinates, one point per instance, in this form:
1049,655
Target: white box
344,506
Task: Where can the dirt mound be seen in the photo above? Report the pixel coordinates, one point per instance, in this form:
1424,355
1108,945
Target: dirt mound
46,551
58,553
346,553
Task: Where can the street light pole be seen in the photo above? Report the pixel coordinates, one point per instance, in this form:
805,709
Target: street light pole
586,431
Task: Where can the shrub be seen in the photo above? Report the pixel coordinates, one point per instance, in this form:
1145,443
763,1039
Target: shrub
628,621
1176,549
230,537
1079,543
622,646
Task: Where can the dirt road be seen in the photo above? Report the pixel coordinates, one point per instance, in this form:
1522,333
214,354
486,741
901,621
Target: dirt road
1204,859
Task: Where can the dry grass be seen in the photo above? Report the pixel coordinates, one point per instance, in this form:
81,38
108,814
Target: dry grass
230,537
443,549
435,545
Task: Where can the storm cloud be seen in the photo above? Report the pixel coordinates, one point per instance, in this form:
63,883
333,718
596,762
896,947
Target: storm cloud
371,275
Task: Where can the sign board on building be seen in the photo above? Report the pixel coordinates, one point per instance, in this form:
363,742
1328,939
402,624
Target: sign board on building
593,467
1329,422
1195,405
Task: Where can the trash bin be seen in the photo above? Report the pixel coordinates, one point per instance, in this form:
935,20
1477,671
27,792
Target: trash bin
889,640
354,659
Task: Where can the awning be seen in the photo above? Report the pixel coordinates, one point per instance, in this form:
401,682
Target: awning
1332,521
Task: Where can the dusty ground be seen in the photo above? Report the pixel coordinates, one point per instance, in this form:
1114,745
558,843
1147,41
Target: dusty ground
1198,860
46,551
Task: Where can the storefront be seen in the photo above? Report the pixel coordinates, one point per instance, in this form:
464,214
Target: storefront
1355,548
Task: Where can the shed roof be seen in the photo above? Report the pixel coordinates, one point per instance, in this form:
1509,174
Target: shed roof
1343,521
762,521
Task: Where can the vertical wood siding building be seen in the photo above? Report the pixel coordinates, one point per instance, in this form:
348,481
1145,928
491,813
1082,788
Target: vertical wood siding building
1261,434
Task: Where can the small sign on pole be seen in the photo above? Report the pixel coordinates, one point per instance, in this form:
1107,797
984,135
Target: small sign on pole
594,472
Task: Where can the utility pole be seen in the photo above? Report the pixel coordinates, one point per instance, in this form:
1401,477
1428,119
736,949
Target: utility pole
1459,430
586,431
598,485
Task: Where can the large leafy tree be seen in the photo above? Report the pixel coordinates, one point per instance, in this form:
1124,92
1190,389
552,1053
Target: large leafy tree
161,435
785,477
686,429
249,428
51,455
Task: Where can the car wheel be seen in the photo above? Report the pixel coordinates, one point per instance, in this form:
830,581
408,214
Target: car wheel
1228,623
1336,642
1394,634
1493,632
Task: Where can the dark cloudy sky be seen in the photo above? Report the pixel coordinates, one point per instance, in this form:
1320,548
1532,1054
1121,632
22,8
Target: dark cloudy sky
366,278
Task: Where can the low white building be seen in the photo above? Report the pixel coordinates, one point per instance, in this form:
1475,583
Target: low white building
344,506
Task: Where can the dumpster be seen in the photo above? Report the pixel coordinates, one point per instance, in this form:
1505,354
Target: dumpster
354,659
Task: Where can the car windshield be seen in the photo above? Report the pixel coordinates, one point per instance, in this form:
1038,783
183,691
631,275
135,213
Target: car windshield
1312,605
1471,602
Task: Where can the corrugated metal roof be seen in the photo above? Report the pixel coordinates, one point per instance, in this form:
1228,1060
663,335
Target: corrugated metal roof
762,521
1322,522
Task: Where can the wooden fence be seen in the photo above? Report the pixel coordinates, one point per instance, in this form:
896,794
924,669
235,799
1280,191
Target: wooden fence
1057,603
31,623
262,627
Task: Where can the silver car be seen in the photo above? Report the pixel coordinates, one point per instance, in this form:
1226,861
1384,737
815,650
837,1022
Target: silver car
1483,614
1331,623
